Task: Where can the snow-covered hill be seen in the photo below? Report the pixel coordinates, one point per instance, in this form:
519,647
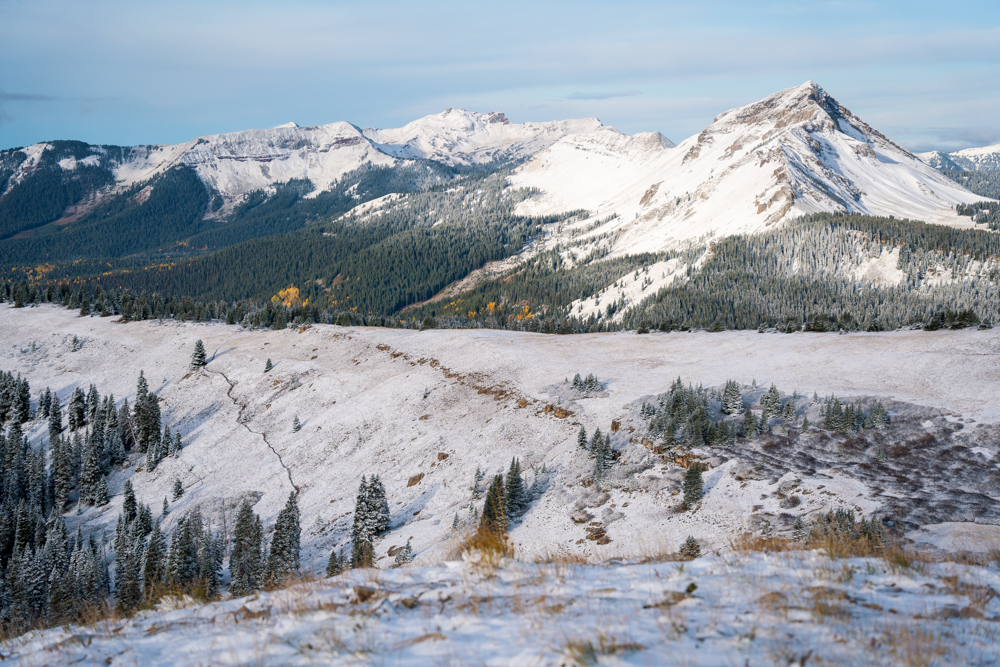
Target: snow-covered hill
425,409
986,158
796,152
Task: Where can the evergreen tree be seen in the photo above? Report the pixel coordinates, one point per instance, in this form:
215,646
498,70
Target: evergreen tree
515,495
90,478
129,506
198,358
749,424
770,406
335,565
732,398
115,447
55,418
404,555
494,515
178,489
690,549
805,423
101,494
183,564
283,556
77,409
154,564
581,437
268,366
477,479
693,485
296,425
245,559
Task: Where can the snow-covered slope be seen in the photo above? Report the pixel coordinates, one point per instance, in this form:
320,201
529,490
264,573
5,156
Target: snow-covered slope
425,409
796,152
460,136
985,158
238,162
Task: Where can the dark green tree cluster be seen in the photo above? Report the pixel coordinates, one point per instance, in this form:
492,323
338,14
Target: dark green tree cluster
682,416
52,579
588,384
852,417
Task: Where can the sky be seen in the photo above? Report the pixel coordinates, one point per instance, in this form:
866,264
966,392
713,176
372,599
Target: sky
927,74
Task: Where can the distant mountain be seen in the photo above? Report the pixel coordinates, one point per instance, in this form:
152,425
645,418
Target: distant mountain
986,158
796,152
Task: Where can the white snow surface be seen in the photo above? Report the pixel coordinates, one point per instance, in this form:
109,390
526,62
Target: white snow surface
796,152
756,609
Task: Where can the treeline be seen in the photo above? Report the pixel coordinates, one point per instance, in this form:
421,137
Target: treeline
983,183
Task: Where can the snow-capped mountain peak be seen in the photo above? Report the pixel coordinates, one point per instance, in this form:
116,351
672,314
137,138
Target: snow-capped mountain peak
795,152
465,137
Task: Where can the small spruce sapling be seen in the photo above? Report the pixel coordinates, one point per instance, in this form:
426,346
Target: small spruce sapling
690,549
268,366
404,555
296,426
178,488
198,358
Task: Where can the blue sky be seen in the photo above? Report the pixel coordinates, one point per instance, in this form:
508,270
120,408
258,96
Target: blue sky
925,73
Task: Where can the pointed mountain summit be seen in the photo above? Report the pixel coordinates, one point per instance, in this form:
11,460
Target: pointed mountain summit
796,152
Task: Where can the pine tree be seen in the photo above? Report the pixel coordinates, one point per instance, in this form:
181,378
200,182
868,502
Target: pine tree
690,549
494,515
210,562
101,494
693,485
55,418
296,426
770,406
178,445
805,423
183,564
335,564
404,555
90,478
178,489
749,424
245,559
581,438
515,495
268,366
477,479
77,409
198,358
732,398
154,565
283,557
129,507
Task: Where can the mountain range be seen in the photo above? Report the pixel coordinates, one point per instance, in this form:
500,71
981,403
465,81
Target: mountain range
78,211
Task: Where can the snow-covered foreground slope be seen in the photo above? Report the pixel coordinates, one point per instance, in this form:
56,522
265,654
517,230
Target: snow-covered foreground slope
796,152
425,409
985,158
755,610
